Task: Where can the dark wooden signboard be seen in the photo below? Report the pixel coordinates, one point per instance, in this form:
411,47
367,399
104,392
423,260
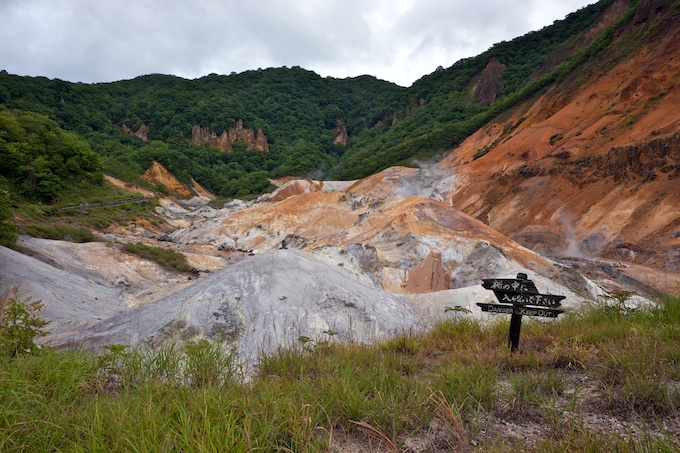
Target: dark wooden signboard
514,285
543,300
528,311
517,295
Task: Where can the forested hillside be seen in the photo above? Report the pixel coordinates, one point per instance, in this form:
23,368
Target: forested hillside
322,127
39,158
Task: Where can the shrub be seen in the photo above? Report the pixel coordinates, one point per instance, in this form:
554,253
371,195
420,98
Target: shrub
556,138
481,153
20,325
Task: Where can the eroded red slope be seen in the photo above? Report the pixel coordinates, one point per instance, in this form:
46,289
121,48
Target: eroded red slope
593,171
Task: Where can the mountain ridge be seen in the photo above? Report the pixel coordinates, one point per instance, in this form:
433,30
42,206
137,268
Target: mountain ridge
296,109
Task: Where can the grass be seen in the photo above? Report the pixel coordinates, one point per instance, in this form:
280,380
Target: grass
92,193
481,153
103,217
76,226
455,388
168,258
58,230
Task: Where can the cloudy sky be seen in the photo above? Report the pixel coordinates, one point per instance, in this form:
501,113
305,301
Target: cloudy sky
395,40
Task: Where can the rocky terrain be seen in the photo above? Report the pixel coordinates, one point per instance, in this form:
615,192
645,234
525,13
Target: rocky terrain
577,187
313,260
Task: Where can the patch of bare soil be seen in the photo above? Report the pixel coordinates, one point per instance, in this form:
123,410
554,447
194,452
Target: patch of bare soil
129,186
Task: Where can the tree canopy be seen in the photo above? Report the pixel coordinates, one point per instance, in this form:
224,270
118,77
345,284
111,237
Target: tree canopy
38,158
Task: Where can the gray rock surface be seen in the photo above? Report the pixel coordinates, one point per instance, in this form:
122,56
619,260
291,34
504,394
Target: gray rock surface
485,261
70,301
259,304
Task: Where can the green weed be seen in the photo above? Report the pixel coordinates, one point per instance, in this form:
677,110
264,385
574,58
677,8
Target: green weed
555,138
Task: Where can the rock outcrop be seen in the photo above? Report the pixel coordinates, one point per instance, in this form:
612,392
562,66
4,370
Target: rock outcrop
252,139
340,135
490,82
656,158
201,191
203,136
142,133
589,170
255,306
390,229
157,173
71,301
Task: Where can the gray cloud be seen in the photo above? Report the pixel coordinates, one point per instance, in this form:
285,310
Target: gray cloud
397,40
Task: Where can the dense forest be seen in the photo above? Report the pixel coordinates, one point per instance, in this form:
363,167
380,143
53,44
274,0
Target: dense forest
54,133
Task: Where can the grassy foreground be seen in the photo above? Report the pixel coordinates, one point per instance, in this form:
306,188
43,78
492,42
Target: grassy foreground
604,380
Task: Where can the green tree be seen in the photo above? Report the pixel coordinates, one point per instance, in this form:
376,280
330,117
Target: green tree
20,325
8,229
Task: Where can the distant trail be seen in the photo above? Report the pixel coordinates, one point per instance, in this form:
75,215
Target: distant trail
107,203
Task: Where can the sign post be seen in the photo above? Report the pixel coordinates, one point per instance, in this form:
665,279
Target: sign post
518,297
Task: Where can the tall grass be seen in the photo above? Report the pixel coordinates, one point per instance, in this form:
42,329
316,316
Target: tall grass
454,388
168,258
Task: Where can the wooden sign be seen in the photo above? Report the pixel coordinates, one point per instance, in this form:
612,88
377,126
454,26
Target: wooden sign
514,285
497,308
544,300
528,311
517,295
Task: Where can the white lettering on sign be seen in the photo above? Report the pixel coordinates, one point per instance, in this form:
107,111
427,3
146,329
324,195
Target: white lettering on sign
520,310
505,286
530,299
546,313
500,309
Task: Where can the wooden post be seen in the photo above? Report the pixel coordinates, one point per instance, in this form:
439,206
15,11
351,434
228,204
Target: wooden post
515,327
516,323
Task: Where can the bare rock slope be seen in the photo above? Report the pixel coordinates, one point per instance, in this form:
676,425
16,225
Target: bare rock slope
260,304
70,301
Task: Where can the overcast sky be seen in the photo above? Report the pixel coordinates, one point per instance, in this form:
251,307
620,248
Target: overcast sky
395,40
